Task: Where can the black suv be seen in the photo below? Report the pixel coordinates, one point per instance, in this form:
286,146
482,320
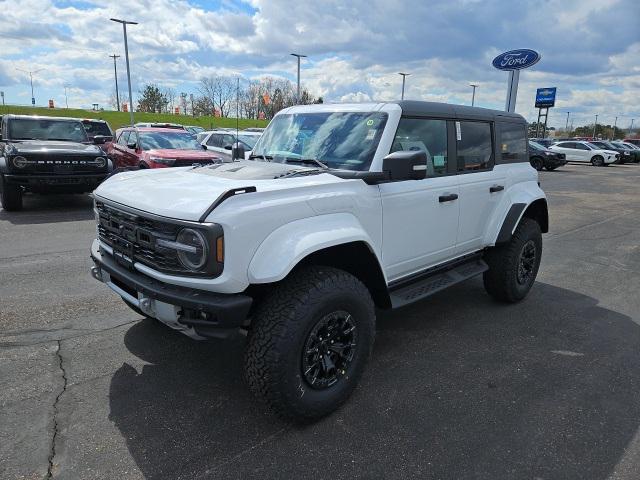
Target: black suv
541,157
47,155
625,155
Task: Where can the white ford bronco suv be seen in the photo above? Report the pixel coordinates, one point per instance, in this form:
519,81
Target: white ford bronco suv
339,210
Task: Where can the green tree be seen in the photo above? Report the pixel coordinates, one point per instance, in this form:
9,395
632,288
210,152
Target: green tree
151,99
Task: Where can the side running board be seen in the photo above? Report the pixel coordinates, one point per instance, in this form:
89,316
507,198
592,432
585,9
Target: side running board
434,282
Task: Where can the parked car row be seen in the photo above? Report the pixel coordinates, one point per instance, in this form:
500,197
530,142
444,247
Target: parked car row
550,154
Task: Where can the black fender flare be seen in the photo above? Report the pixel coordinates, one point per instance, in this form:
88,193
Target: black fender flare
509,223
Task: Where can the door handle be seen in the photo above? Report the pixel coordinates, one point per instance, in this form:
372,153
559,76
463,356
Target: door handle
450,197
496,188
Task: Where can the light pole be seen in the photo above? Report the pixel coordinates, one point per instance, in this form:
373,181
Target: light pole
66,99
566,125
631,127
613,137
298,56
404,77
33,98
126,56
473,95
595,125
115,71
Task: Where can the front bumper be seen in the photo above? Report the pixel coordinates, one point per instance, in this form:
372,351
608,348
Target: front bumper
554,162
86,181
197,313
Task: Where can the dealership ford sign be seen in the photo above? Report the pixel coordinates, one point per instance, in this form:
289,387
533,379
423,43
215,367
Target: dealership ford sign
516,59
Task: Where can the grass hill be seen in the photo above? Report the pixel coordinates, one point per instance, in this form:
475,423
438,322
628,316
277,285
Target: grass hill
119,119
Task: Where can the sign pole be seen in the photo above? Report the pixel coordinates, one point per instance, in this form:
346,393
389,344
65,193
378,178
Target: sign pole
512,90
538,123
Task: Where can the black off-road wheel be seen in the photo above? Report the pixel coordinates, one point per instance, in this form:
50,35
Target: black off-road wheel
309,343
513,267
537,163
10,196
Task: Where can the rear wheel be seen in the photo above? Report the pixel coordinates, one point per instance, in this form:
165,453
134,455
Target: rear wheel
513,267
597,161
551,169
537,163
309,342
11,196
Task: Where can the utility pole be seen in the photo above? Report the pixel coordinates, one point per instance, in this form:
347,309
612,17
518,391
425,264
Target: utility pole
631,127
126,56
566,125
298,56
595,125
66,98
473,95
33,98
404,77
115,71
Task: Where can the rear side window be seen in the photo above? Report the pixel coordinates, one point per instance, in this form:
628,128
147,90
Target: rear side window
215,140
124,136
474,145
513,142
430,136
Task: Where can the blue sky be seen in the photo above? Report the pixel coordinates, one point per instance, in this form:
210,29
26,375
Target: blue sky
590,49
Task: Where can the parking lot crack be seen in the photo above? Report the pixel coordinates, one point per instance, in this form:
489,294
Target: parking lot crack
52,450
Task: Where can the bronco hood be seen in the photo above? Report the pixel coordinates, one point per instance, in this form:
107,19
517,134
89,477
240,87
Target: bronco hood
187,193
54,146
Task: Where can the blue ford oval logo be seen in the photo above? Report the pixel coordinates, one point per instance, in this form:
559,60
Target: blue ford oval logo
516,59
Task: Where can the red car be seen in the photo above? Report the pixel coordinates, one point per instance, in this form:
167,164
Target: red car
157,148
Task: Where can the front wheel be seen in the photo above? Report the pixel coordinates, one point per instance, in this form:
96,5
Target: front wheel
597,161
513,267
309,343
551,169
537,163
10,196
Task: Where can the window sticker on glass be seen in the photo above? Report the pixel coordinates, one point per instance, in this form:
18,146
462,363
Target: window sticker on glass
438,161
458,131
371,134
369,122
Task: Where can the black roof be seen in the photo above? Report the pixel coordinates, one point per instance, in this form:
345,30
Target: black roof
447,110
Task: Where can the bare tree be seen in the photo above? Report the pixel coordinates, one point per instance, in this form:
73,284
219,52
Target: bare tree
170,96
220,91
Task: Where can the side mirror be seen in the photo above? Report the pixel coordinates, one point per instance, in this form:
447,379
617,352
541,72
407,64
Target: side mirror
228,147
406,165
132,146
99,140
237,153
204,147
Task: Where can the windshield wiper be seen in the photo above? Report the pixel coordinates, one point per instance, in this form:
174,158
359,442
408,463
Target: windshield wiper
308,161
266,158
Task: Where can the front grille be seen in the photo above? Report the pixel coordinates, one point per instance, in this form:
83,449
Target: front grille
136,235
60,164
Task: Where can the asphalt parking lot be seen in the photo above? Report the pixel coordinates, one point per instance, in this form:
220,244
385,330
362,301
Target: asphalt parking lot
458,386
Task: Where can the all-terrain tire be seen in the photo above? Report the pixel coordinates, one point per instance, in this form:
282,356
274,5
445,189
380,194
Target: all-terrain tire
505,281
10,196
286,321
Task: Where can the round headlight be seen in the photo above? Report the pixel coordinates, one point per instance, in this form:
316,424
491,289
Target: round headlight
194,254
100,161
20,162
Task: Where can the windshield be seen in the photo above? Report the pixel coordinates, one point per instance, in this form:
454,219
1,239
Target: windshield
346,140
97,128
537,146
40,129
249,140
169,140
620,145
